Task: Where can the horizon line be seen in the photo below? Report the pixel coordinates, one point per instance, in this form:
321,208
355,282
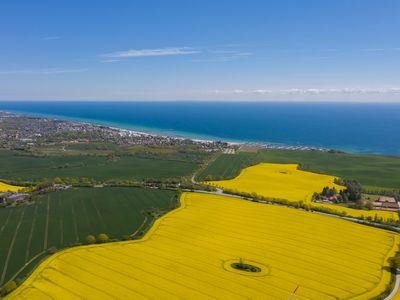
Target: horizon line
207,100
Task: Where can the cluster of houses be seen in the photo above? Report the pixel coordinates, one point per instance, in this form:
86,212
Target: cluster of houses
9,198
380,203
386,203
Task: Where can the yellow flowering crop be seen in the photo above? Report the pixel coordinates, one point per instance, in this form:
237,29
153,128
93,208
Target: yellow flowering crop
283,181
286,181
4,187
188,253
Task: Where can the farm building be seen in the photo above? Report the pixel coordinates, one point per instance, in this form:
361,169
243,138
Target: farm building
4,196
18,197
9,198
386,203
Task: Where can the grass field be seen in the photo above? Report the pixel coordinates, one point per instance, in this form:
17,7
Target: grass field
30,168
188,254
286,181
371,170
62,219
4,187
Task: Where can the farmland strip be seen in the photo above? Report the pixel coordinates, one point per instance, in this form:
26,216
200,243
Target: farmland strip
11,248
60,217
5,224
74,222
103,224
152,273
46,231
98,274
28,246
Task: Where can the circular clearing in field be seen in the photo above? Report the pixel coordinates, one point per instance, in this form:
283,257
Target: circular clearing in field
246,267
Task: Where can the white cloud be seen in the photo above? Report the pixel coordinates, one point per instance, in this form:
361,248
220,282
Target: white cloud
109,60
313,91
262,91
152,52
40,71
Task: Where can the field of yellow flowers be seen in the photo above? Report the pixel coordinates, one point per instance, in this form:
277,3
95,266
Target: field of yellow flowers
286,181
4,187
188,254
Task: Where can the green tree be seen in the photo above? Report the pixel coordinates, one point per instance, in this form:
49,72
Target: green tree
8,287
57,180
103,238
90,239
353,190
394,262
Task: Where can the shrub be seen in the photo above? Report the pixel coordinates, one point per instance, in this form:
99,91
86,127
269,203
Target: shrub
90,239
103,238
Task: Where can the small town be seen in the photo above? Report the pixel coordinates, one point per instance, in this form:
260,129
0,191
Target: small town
21,132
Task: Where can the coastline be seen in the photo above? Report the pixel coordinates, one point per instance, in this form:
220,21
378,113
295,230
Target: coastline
147,131
350,128
132,129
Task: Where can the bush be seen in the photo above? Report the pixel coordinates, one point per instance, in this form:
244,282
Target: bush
90,239
103,238
394,262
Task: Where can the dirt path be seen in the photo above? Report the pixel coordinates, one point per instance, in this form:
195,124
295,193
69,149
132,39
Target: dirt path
203,166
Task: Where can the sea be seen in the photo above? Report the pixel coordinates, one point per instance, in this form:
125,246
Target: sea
352,127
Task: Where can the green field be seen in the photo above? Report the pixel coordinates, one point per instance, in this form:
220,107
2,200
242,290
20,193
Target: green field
65,218
373,171
140,166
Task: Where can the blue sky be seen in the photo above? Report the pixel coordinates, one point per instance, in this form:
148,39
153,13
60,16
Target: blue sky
337,50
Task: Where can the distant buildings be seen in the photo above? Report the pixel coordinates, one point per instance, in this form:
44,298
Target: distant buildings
386,203
21,132
4,196
8,198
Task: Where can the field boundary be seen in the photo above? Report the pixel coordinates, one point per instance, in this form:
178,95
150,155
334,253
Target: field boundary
49,259
60,223
204,166
152,230
395,288
27,264
385,273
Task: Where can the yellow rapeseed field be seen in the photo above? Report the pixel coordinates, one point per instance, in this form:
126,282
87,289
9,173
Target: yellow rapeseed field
4,187
286,181
187,254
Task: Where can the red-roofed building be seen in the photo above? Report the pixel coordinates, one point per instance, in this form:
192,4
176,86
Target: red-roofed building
386,203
